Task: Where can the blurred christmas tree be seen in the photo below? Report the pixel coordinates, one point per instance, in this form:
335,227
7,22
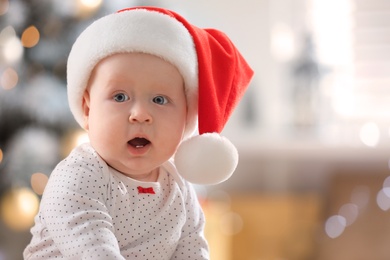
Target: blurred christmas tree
35,39
35,120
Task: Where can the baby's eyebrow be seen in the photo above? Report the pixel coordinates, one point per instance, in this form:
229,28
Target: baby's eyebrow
114,85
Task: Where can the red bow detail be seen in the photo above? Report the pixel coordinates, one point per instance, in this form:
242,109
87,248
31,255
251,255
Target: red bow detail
145,190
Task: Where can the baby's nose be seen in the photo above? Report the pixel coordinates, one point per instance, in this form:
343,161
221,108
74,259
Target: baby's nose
140,114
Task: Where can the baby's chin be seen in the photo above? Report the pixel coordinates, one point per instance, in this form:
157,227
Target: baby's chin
140,171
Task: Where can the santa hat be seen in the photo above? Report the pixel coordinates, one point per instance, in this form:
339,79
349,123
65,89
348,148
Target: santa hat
214,72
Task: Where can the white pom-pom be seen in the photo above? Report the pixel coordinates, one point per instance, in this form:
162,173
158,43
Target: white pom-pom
206,159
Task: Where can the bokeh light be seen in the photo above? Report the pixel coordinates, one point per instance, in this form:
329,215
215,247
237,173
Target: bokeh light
30,37
38,182
18,208
91,3
12,50
86,8
1,155
335,226
9,78
383,199
370,134
282,42
231,223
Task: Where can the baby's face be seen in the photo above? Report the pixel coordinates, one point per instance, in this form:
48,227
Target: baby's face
135,112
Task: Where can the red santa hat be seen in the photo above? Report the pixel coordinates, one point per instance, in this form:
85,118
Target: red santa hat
214,72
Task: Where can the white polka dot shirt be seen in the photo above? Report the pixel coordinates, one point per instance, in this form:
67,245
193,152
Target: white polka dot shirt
91,211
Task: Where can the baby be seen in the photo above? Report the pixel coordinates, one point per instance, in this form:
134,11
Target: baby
139,82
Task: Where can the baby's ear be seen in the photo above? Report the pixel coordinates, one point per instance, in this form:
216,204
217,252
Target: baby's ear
85,105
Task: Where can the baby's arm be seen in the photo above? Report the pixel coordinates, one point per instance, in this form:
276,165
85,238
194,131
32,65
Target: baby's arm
193,244
74,211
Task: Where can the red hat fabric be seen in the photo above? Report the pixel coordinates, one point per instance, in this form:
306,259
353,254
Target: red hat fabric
215,75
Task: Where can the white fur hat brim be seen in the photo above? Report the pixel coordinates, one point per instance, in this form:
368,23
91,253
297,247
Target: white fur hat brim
142,31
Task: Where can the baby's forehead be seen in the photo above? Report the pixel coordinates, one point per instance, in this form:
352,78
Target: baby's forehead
135,66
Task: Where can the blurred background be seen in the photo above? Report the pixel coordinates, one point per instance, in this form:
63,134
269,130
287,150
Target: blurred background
313,130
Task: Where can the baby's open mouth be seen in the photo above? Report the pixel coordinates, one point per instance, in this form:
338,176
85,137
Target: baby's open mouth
138,142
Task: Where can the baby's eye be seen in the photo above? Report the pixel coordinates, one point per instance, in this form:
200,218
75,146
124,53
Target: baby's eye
120,97
160,100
